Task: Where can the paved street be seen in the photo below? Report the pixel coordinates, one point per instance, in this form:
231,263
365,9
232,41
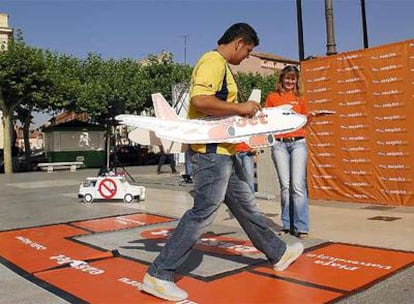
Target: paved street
40,200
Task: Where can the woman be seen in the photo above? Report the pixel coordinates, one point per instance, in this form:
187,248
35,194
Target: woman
289,155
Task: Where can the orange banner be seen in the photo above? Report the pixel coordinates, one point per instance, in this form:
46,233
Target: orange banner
364,152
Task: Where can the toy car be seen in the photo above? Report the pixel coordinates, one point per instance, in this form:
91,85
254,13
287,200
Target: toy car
110,187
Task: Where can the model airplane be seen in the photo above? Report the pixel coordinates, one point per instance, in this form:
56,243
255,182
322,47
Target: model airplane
256,131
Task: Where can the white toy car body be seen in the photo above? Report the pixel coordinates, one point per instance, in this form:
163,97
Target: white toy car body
110,187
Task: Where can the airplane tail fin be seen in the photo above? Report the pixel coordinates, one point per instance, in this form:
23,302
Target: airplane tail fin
162,109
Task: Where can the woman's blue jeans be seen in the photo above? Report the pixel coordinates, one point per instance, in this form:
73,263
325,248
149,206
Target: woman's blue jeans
217,178
290,159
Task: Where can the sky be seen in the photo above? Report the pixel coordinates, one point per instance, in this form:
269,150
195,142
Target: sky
136,29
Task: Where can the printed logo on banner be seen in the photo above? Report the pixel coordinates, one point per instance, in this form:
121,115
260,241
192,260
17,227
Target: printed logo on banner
384,56
356,160
325,154
323,165
358,172
208,242
323,187
388,105
319,68
352,103
344,263
348,57
322,123
351,92
358,196
323,145
318,101
387,93
355,184
391,130
396,179
354,127
397,192
350,69
76,264
349,80
391,117
392,143
107,188
356,149
319,79
394,154
318,90
387,80
322,133
324,176
353,115
31,243
394,166
391,67
354,138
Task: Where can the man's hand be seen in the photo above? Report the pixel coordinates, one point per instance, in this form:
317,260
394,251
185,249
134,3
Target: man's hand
249,108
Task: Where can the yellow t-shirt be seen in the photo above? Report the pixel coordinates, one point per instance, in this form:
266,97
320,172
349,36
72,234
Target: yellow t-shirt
212,76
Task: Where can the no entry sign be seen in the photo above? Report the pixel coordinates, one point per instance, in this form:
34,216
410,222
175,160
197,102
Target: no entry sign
107,188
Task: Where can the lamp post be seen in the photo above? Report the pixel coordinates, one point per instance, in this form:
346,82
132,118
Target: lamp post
300,29
185,48
330,43
364,24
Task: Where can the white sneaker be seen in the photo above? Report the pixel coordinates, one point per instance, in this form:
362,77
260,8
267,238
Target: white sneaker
163,289
291,254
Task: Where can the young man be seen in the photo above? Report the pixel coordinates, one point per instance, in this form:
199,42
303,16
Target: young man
216,178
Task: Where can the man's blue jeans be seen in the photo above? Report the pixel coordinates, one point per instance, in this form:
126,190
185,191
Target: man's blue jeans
246,160
290,159
216,178
188,167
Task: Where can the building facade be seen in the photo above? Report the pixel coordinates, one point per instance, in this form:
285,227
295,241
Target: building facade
263,63
5,34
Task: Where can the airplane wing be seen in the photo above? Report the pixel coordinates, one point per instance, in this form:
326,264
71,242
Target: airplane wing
149,138
144,137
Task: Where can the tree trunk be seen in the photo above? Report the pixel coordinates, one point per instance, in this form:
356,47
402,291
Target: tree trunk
26,135
7,148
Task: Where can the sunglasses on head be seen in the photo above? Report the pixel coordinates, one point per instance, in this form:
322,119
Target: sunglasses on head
290,68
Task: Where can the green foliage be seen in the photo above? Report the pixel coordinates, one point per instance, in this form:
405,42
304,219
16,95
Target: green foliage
36,79
110,87
159,74
23,75
248,82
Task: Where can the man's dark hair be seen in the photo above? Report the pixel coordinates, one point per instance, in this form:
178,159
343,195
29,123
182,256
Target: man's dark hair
240,30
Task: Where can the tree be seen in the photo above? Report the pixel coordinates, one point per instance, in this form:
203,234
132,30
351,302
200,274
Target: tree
248,82
111,87
160,73
22,81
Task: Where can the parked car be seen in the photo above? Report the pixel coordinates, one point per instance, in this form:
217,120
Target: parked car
128,155
36,157
110,187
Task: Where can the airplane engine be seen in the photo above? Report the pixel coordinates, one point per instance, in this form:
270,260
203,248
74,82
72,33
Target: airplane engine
219,132
231,131
263,140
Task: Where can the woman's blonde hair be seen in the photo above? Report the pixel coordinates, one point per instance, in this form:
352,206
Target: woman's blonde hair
287,70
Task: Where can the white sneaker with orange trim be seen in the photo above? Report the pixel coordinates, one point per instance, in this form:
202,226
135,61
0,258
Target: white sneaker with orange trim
163,289
291,254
